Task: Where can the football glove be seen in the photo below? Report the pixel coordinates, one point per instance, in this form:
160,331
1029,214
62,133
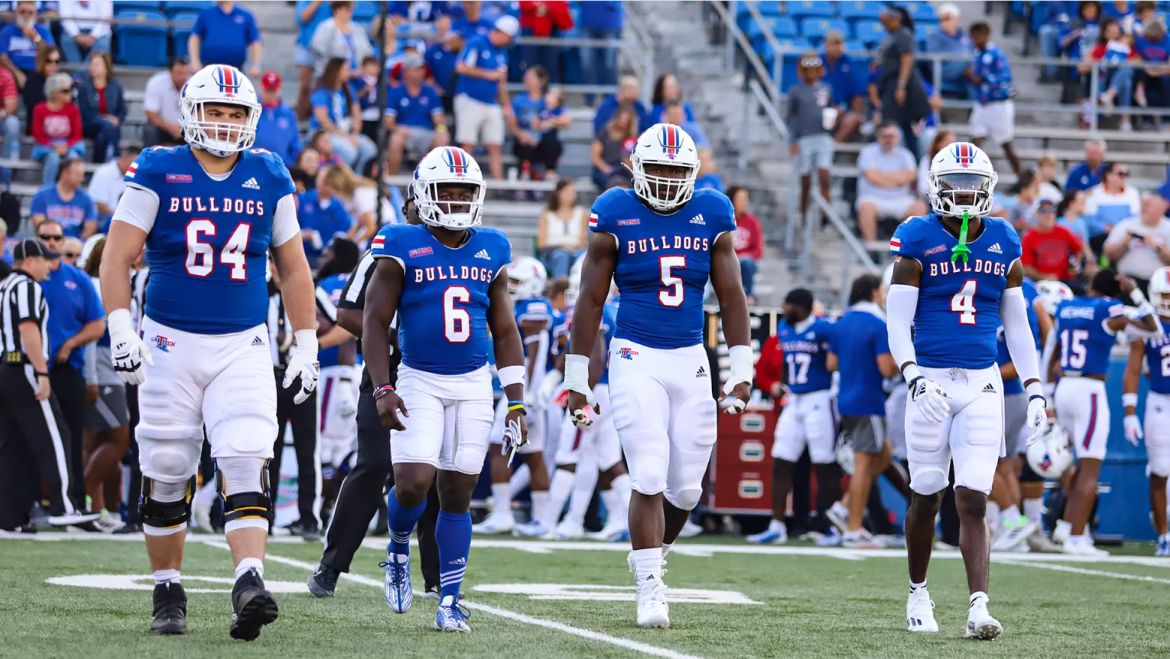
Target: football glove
513,439
1133,429
930,398
127,349
1037,420
577,379
302,361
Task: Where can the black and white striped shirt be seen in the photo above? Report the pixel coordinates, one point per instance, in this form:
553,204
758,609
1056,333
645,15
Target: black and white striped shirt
280,332
138,280
21,300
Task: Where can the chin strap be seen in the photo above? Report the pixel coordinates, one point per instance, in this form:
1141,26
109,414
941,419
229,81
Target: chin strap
961,250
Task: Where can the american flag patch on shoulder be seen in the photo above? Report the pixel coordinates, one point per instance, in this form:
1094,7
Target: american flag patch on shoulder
131,169
895,245
378,243
593,220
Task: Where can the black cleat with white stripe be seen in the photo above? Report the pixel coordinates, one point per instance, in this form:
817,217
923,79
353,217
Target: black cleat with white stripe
170,609
252,607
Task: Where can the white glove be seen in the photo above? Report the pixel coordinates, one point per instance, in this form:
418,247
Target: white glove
1133,429
548,385
346,399
127,348
1037,420
577,379
930,399
302,361
513,439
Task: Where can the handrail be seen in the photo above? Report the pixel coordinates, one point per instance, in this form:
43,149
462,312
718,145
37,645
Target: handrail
777,78
770,110
835,219
645,47
746,46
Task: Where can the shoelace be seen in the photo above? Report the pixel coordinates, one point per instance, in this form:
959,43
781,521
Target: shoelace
458,611
398,575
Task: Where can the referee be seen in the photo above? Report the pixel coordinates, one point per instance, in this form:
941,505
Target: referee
33,434
365,488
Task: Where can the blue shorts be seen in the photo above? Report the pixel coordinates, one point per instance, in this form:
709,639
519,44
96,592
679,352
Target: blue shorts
303,57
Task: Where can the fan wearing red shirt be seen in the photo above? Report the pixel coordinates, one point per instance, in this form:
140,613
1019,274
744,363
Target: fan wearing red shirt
544,19
748,239
768,367
1048,247
56,126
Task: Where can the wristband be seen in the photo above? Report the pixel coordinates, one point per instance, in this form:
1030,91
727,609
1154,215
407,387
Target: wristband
46,374
740,358
1129,400
442,128
910,373
514,405
576,372
1034,390
382,391
510,375
1137,297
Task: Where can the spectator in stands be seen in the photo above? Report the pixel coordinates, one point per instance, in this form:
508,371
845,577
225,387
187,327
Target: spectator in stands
1116,83
942,139
1078,35
994,114
601,20
1137,246
562,230
544,19
526,107
469,26
441,60
71,251
57,127
667,91
107,185
86,28
22,40
1070,213
339,37
1045,173
33,92
481,92
810,117
1048,248
322,143
5,252
708,176
847,80
628,93
610,149
323,217
65,203
1088,173
360,197
310,14
225,34
309,162
102,102
336,111
10,114
414,116
277,130
161,102
748,239
1109,203
1023,214
1056,18
950,39
1153,47
904,99
674,114
888,172
364,87
1121,11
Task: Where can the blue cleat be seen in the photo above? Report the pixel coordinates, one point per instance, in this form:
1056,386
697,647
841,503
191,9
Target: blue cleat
452,616
775,534
1163,545
399,594
533,529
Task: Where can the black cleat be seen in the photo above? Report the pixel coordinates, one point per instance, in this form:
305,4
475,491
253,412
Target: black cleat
170,609
252,607
131,527
308,532
324,581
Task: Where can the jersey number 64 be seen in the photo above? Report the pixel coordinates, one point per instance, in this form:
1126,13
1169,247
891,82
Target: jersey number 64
201,255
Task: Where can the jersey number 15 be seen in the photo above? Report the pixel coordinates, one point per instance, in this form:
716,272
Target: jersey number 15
201,255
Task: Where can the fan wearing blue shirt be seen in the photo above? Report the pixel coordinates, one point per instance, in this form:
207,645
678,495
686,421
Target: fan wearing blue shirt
600,20
1087,174
225,34
19,42
441,58
277,130
994,114
336,112
470,25
847,78
628,95
323,217
66,203
859,350
414,115
481,92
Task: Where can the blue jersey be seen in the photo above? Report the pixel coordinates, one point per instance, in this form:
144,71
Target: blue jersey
805,347
207,248
663,263
442,314
332,287
1085,341
958,302
858,339
1158,358
538,310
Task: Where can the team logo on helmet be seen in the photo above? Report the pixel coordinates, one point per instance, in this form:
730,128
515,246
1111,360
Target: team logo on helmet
228,81
671,140
963,153
456,160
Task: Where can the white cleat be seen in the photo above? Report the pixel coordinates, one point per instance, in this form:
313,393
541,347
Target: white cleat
1011,538
616,532
533,529
770,536
920,612
69,519
839,516
860,539
1040,543
1083,549
653,611
980,624
1062,532
452,617
496,523
1163,549
690,530
567,530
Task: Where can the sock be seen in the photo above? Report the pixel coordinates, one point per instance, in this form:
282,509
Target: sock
622,490
666,547
647,564
453,535
978,598
992,515
1082,539
1034,509
1011,516
539,503
248,564
401,521
163,576
839,509
558,495
916,586
1063,527
777,526
613,506
583,486
502,493
520,480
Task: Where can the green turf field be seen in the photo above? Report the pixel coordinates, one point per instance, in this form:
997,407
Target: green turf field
791,601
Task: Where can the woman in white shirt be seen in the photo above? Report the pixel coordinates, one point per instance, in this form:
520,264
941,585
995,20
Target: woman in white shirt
1109,203
563,230
360,196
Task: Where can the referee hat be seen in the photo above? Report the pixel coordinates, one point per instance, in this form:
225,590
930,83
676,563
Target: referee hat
32,246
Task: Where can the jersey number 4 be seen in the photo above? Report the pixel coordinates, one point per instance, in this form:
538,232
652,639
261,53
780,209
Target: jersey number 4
963,302
674,296
201,255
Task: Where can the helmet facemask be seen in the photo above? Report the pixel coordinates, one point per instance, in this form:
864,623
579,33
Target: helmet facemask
218,134
663,185
450,204
956,193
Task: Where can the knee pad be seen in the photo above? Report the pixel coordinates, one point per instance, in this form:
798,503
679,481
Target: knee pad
647,455
245,491
173,461
686,499
165,508
928,480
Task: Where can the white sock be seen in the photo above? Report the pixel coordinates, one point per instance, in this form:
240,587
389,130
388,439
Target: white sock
1034,509
622,489
1063,527
647,563
163,576
776,526
978,598
666,547
248,564
583,485
1011,516
520,480
840,509
613,507
992,515
558,495
916,586
539,503
502,493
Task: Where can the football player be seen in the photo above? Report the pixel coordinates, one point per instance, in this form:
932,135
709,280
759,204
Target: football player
660,242
956,279
208,212
448,281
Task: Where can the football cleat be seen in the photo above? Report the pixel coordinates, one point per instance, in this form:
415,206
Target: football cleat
70,519
980,624
399,594
653,611
1061,533
839,516
323,582
1013,536
452,616
252,607
1085,548
860,539
496,523
170,609
770,536
201,511
1040,543
533,529
614,531
568,530
920,612
690,530
1163,545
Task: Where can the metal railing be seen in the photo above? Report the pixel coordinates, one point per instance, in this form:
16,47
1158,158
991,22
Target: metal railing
735,37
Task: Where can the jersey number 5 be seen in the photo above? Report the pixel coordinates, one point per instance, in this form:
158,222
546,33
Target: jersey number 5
456,320
963,302
201,255
673,297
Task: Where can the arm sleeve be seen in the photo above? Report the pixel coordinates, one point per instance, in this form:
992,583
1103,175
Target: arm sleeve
284,220
901,305
1017,333
138,207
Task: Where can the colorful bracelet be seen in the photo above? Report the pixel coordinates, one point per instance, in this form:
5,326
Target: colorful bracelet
514,405
382,391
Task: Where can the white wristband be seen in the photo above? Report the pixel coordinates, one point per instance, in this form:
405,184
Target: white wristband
576,371
306,341
911,372
741,364
1034,389
1129,400
118,322
1137,297
510,375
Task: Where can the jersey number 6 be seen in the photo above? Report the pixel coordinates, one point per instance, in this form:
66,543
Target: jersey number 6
963,302
673,297
201,255
456,320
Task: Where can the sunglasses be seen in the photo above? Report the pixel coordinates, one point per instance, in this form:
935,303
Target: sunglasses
46,236
70,255
1122,174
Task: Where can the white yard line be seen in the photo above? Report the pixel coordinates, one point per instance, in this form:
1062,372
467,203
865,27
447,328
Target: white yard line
496,611
1078,570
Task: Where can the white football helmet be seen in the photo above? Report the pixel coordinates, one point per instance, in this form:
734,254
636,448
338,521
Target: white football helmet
218,84
1054,292
1160,291
669,145
444,166
961,180
1051,454
526,278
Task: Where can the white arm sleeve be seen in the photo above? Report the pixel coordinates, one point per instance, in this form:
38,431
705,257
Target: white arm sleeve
138,207
901,304
1021,345
284,221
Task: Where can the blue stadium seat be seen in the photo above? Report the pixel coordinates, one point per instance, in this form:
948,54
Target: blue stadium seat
182,7
180,33
789,62
815,29
920,11
782,28
365,11
810,9
134,5
860,11
870,33
743,15
142,45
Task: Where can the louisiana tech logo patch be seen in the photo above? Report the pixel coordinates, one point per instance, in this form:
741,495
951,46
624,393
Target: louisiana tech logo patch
627,353
162,343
